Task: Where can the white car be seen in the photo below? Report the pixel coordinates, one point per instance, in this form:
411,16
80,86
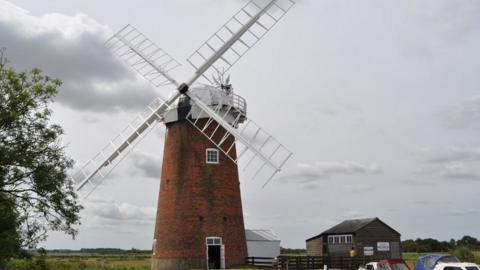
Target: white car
388,264
369,266
456,266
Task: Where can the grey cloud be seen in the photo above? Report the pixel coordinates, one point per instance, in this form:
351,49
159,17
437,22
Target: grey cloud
451,154
423,202
450,162
418,182
464,115
306,173
112,212
147,164
72,49
450,170
463,212
350,214
358,188
458,170
452,19
105,96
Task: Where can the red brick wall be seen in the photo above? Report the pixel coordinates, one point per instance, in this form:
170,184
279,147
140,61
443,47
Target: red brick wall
196,200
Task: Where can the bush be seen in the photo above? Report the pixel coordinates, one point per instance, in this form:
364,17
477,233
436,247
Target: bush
464,254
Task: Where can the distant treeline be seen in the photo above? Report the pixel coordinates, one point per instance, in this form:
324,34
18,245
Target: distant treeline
292,250
433,245
100,251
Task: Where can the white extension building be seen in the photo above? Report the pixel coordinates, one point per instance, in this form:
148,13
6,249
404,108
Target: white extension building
262,243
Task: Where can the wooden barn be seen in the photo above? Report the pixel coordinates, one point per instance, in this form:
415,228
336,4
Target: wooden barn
369,237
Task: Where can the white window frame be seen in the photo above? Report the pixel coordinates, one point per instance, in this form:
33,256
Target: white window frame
213,241
340,239
330,239
349,239
212,150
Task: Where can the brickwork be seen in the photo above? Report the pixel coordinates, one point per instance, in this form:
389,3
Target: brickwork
196,200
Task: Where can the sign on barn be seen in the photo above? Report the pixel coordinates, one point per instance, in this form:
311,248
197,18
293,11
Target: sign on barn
383,246
368,251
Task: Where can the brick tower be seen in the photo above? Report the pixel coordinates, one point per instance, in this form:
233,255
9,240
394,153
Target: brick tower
199,198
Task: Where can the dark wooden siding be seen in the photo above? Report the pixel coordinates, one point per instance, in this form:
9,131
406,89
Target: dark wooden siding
373,233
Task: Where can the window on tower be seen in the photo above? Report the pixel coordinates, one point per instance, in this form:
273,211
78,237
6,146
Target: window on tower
212,156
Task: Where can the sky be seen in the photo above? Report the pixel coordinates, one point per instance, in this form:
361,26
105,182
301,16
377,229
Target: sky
378,100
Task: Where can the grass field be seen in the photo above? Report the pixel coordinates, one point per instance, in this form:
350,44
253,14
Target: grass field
86,261
134,261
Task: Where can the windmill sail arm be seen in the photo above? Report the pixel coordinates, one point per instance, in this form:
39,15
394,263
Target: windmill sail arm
230,129
95,170
248,144
226,46
120,149
143,55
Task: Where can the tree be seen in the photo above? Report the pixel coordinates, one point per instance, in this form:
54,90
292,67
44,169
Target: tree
34,188
9,236
468,241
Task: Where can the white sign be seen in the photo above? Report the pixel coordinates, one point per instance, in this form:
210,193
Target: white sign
383,246
368,251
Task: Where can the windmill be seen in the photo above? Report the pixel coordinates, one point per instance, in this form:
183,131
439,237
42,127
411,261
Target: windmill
199,218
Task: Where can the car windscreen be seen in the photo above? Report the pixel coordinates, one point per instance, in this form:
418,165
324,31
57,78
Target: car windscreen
471,268
401,266
448,259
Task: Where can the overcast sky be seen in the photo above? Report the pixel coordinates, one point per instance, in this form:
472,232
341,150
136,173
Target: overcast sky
378,100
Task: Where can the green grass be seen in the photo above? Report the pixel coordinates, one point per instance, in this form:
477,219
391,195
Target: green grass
134,261
85,261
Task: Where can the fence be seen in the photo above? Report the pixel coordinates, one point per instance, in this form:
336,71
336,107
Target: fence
261,261
318,262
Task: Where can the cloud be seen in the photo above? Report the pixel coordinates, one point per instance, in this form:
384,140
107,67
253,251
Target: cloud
111,212
452,19
464,115
358,188
350,214
147,164
423,202
451,154
464,212
450,162
458,170
450,170
72,49
308,173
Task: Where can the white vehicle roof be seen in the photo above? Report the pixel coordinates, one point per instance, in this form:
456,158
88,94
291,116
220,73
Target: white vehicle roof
441,266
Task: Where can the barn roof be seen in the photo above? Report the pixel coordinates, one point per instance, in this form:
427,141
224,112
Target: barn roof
261,235
351,226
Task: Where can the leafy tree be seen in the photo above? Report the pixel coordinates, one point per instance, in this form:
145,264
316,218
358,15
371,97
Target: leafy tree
9,237
468,241
426,245
35,191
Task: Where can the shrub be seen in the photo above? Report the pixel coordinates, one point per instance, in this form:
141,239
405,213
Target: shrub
464,254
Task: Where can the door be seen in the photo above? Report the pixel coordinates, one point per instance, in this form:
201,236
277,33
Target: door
214,257
215,253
